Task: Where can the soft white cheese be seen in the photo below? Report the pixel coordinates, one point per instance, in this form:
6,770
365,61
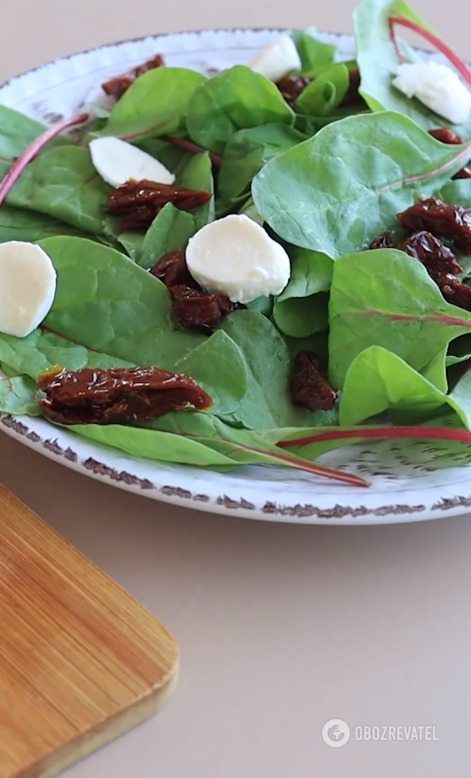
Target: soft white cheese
27,287
235,255
118,162
277,59
436,86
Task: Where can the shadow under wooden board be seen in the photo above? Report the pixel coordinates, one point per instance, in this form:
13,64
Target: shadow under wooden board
81,662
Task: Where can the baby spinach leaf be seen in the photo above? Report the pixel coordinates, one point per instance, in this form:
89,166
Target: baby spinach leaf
17,131
171,229
301,309
323,95
19,224
302,316
197,174
336,191
18,396
63,183
234,99
133,243
267,402
377,61
249,209
311,272
169,155
156,103
41,350
315,55
246,153
386,298
378,381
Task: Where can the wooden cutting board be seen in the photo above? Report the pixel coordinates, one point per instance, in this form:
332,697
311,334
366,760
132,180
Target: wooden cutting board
81,662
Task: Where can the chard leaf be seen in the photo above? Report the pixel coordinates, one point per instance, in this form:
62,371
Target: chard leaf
377,62
386,298
338,190
234,99
155,104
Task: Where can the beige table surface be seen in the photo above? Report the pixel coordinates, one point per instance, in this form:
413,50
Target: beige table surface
281,627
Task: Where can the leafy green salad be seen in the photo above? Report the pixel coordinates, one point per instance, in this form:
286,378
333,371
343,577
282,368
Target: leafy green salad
293,234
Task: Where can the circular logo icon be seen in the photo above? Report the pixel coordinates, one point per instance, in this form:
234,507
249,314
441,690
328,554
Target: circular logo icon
336,733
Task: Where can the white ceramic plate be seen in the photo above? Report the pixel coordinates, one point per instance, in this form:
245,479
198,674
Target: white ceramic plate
400,490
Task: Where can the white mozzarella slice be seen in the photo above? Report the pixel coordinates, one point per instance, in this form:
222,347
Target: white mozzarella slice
27,287
436,86
277,59
118,162
235,255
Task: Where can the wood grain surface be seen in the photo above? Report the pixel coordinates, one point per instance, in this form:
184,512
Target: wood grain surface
81,662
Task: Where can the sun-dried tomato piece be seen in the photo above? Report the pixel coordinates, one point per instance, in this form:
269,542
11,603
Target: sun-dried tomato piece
200,309
172,270
437,258
465,172
151,64
93,396
442,220
384,241
352,94
309,387
455,292
117,86
138,219
138,202
445,135
292,86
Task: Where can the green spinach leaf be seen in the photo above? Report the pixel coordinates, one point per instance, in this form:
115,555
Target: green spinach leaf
378,381
324,95
156,104
386,298
234,99
301,309
17,131
18,396
315,55
246,153
267,402
171,229
19,224
63,183
338,190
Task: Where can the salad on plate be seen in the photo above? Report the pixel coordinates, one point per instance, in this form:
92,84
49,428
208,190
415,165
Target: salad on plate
255,267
